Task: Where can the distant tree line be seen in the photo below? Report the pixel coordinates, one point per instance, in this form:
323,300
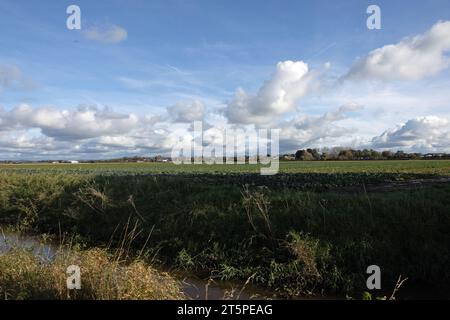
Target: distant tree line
365,154
157,158
301,155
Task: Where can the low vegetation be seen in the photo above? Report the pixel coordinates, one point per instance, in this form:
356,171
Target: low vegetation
441,167
293,241
23,275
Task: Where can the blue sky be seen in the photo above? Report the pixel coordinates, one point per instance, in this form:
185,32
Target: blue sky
176,53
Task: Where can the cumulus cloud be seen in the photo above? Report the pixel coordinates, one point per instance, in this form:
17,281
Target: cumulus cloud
25,145
410,59
106,34
424,134
83,123
278,95
89,132
86,132
317,131
187,111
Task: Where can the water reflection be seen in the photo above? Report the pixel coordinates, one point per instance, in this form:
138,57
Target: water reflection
13,240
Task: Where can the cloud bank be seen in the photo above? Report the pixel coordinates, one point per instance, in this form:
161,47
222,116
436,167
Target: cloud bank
83,123
424,134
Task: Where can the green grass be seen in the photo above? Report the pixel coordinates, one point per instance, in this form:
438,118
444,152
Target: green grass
290,240
441,167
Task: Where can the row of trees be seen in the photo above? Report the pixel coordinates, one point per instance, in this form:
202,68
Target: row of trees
366,154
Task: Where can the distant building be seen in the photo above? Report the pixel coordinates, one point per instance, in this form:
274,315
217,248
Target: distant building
288,157
73,161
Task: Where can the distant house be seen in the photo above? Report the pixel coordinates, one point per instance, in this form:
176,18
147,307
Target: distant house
73,161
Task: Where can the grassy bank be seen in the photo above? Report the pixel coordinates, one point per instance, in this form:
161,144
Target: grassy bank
23,275
291,241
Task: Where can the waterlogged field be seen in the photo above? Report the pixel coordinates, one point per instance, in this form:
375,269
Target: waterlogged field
312,230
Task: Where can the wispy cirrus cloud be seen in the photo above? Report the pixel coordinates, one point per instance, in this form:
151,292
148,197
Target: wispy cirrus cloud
132,83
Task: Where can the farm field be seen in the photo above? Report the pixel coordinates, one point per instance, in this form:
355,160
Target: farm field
312,230
393,166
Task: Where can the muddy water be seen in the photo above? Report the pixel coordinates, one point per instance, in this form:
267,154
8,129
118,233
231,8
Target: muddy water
9,240
193,288
201,289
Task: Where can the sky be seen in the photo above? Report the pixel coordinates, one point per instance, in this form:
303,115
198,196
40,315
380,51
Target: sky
138,73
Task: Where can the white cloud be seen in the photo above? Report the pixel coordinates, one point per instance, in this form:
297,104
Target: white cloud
83,123
410,59
187,112
118,141
317,131
424,134
277,96
87,132
106,34
90,132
